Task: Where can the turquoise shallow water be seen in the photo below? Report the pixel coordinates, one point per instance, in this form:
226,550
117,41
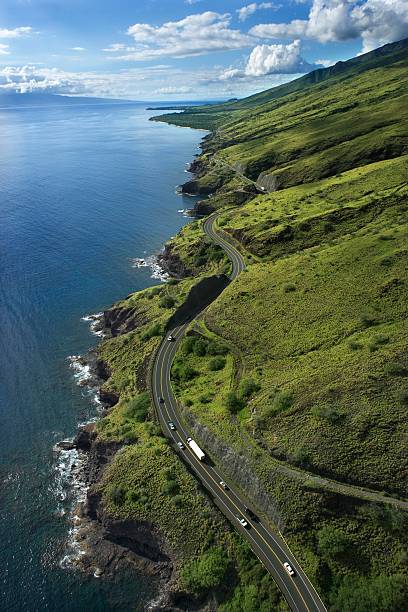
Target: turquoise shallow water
83,191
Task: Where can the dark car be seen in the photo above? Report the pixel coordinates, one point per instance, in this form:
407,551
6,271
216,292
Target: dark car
251,514
161,400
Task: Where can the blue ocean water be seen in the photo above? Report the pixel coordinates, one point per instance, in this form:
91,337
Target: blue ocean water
83,191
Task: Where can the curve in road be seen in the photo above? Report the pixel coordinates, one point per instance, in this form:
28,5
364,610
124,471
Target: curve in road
270,548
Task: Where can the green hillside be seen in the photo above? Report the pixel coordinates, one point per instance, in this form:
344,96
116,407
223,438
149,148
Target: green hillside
316,376
298,371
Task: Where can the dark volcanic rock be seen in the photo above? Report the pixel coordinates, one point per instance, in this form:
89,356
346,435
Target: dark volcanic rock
172,264
108,397
84,438
120,320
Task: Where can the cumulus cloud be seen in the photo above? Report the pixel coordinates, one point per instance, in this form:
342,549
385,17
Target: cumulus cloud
277,59
375,21
250,9
78,49
131,83
4,49
194,35
16,32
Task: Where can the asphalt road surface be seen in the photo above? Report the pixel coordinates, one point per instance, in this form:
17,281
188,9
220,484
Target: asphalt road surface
268,546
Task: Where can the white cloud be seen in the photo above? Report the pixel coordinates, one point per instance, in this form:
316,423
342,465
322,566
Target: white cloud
194,35
16,32
231,73
277,59
78,49
173,90
325,62
4,49
250,9
375,21
381,21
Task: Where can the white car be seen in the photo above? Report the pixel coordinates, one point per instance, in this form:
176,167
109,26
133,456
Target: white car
242,521
223,485
172,425
170,338
289,569
181,445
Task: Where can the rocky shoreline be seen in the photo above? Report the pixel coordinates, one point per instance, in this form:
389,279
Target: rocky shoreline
103,544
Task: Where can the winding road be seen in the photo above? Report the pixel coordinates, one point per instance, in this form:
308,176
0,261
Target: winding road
269,547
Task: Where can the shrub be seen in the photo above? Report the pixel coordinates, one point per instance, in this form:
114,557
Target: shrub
289,287
206,572
178,501
367,319
154,330
331,542
215,348
200,347
233,403
354,346
403,397
396,369
247,387
328,413
188,344
133,496
183,372
167,302
137,408
282,401
216,364
172,281
171,487
205,398
117,495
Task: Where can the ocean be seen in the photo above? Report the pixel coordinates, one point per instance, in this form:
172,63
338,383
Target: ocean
83,192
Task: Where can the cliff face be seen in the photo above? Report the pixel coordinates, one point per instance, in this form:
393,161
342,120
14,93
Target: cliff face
238,468
201,294
171,263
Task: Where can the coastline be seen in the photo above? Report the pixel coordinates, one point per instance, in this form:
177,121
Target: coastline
95,539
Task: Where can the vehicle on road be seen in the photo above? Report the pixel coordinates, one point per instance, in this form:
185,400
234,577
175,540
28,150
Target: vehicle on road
242,521
289,569
251,514
196,449
170,338
223,485
181,445
172,425
161,400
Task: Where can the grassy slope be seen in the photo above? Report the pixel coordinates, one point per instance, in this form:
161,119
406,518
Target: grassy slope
146,481
319,320
332,396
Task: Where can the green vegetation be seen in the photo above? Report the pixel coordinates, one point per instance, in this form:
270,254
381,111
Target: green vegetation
315,377
300,365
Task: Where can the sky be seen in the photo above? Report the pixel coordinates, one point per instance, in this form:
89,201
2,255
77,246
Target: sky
183,49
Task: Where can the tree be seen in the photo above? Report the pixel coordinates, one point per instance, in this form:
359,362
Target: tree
332,542
376,593
167,302
206,572
216,364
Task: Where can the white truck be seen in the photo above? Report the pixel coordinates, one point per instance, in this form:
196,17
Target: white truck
196,449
